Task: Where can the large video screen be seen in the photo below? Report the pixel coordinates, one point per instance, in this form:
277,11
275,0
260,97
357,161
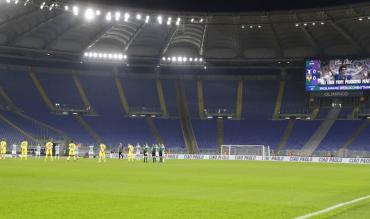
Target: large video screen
338,75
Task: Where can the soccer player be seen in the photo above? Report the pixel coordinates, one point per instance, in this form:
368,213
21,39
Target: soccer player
161,153
146,149
130,153
77,150
24,148
91,151
137,151
72,148
38,151
155,153
57,151
102,153
120,151
14,151
3,144
49,150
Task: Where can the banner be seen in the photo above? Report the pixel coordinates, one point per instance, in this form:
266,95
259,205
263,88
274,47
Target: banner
271,158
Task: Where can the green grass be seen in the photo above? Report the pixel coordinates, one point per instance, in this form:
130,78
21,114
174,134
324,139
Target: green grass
178,189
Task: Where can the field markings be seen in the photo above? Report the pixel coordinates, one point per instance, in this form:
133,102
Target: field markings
333,207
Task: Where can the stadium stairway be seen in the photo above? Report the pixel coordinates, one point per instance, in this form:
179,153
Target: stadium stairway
200,99
321,132
122,95
82,93
185,121
41,91
239,99
284,139
20,130
360,129
220,132
58,134
162,101
88,128
154,130
279,99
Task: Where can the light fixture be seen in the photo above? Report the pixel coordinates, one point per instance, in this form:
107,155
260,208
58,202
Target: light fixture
108,17
75,10
201,20
147,18
126,17
138,17
98,12
169,21
297,25
322,23
66,7
41,6
89,14
160,19
117,16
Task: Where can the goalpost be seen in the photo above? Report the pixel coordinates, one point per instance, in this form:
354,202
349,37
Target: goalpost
258,150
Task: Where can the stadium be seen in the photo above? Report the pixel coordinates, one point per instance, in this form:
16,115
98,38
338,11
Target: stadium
132,109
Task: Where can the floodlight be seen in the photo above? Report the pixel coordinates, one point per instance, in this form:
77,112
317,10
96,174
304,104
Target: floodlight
138,16
41,6
66,7
126,17
75,10
117,16
89,14
147,19
108,17
160,19
97,12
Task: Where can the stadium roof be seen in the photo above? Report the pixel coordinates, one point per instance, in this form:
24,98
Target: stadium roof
219,38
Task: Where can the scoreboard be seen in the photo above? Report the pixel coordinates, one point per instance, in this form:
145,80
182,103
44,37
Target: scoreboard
337,75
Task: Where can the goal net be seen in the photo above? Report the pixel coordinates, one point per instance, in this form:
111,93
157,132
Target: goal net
257,150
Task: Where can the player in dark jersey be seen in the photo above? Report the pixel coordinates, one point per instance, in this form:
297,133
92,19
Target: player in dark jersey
154,153
161,153
145,151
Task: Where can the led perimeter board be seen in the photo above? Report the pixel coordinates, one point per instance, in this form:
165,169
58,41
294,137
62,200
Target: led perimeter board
337,75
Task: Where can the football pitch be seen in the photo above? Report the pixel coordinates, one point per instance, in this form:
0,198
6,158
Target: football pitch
180,189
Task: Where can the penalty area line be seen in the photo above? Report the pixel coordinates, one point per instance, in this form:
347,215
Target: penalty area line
333,207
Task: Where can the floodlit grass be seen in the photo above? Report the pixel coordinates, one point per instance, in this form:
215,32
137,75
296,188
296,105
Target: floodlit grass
177,189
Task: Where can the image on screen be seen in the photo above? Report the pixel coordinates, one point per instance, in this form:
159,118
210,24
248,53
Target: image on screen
337,74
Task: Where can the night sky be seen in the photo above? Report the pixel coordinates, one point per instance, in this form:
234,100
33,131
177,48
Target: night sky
224,5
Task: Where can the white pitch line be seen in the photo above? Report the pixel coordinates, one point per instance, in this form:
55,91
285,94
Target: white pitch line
333,207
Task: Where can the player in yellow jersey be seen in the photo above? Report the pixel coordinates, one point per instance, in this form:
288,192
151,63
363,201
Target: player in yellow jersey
24,147
49,149
130,153
102,152
3,144
72,148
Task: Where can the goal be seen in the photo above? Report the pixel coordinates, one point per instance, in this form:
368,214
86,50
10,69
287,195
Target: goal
258,150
